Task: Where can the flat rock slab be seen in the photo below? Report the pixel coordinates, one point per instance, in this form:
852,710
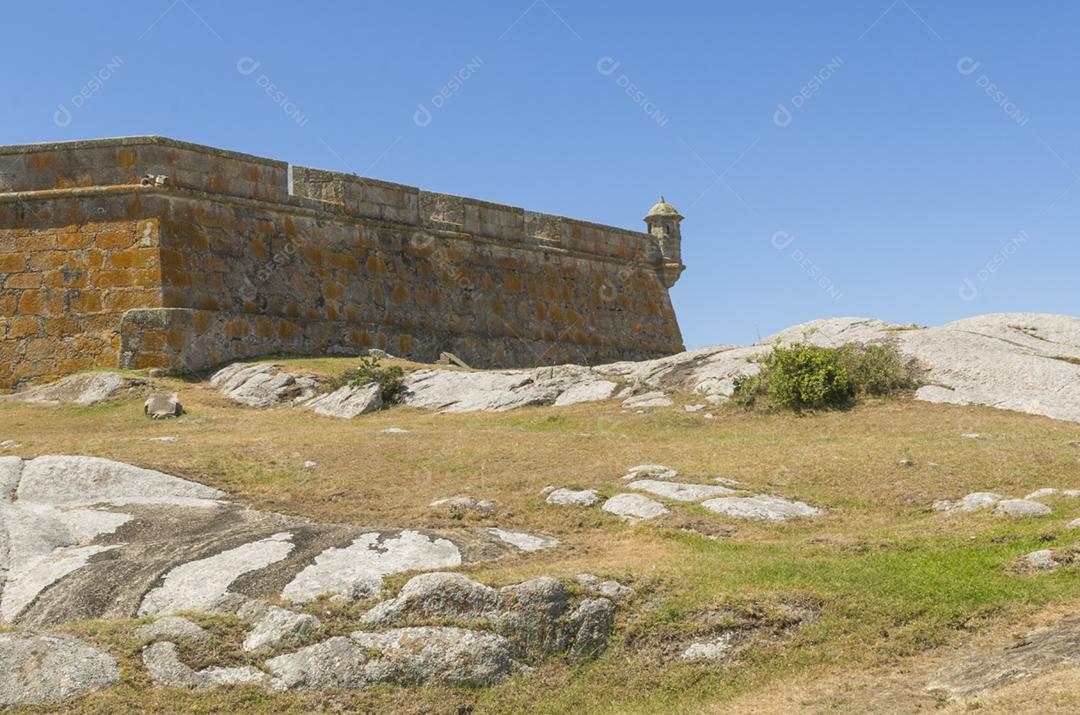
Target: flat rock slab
501,390
761,507
88,388
1021,507
647,400
87,538
650,471
1038,653
570,497
163,405
263,385
634,507
678,491
45,670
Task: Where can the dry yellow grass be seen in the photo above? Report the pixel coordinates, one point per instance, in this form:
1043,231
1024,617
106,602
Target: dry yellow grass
893,584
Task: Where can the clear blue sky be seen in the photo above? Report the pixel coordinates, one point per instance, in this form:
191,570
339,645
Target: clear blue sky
924,166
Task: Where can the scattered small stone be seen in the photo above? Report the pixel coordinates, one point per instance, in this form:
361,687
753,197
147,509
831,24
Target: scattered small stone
569,497
634,507
164,438
653,471
1041,560
708,416
970,435
1074,443
1071,493
395,430
310,464
1040,493
906,463
464,502
1021,507
9,444
648,399
725,480
162,405
713,649
377,353
693,408
761,507
172,628
1074,524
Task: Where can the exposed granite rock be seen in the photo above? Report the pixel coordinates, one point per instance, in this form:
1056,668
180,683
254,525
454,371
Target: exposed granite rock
761,507
271,625
163,405
680,492
162,661
172,628
263,384
88,388
569,497
46,670
348,401
501,390
1021,507
634,507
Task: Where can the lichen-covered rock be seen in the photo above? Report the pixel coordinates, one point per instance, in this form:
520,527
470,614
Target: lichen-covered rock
402,656
634,507
46,670
348,401
162,661
712,649
263,384
84,538
570,497
976,501
761,507
531,611
271,625
437,595
591,622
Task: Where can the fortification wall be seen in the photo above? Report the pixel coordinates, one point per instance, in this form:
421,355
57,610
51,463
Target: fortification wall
229,255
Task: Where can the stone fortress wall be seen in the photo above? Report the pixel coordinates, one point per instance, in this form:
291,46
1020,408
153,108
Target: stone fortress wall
147,252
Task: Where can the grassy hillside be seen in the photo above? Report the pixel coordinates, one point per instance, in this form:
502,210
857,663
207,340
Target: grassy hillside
846,612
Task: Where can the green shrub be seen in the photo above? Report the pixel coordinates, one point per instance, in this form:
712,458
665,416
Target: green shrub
391,378
801,376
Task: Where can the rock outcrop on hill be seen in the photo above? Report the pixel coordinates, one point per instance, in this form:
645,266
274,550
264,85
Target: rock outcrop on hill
84,537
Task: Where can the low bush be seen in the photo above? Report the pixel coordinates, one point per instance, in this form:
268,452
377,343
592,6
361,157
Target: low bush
801,376
390,378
